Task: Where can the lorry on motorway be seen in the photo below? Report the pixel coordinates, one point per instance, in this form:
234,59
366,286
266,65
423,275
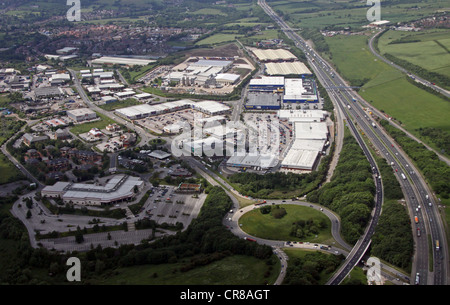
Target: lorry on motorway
353,99
373,124
416,219
437,244
249,239
403,176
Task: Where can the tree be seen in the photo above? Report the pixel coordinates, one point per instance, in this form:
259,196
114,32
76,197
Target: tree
79,238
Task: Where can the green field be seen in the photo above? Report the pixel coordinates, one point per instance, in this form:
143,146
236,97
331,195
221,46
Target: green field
209,11
385,87
232,270
218,38
265,226
327,13
428,49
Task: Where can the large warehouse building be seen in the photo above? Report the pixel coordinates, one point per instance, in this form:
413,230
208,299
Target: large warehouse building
263,101
145,110
274,55
310,139
287,68
122,61
300,90
267,83
80,115
302,115
118,189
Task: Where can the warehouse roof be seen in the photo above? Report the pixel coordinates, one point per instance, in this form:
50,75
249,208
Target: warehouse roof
263,99
273,54
210,106
117,187
212,63
82,111
311,131
227,77
268,81
301,159
302,115
122,61
287,68
252,160
299,89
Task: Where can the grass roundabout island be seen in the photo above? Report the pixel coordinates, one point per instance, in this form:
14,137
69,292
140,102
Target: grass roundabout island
287,222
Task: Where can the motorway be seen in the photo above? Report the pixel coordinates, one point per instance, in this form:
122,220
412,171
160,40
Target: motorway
414,187
418,79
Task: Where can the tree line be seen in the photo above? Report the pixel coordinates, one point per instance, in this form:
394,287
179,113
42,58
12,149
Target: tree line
204,241
435,171
393,240
351,190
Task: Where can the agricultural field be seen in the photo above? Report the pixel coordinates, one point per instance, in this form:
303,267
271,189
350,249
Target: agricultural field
429,49
208,11
334,14
218,38
268,227
386,88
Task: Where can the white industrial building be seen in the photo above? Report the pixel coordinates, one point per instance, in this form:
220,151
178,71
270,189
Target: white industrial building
302,115
311,130
124,94
310,139
117,189
143,111
267,83
80,115
142,96
287,68
299,90
227,78
211,107
122,61
273,55
260,161
199,72
60,76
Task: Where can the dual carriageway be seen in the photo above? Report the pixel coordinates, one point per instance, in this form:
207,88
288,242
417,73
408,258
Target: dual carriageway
420,201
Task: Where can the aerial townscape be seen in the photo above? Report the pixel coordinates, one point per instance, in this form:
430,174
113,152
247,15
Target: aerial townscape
199,143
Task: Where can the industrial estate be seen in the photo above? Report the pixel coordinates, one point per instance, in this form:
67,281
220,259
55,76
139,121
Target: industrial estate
230,134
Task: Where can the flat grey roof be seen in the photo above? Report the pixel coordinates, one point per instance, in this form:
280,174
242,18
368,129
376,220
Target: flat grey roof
263,99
